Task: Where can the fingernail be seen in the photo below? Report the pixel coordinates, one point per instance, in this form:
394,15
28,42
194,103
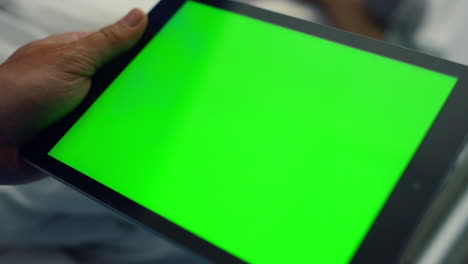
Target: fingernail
133,18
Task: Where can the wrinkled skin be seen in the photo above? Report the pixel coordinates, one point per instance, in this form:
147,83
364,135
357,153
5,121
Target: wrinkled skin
46,79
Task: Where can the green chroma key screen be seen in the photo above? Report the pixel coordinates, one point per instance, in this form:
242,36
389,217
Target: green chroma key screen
274,145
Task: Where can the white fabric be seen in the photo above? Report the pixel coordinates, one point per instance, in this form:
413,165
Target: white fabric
436,27
15,32
444,30
22,21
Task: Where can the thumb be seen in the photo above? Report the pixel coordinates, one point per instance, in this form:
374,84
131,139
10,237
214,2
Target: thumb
101,46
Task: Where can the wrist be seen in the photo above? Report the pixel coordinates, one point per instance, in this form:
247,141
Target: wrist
14,112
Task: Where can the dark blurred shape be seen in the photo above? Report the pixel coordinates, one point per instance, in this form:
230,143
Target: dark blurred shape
382,10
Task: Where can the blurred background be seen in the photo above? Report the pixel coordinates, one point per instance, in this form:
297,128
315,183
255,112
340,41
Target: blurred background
46,222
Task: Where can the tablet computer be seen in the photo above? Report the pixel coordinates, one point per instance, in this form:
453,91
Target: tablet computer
253,137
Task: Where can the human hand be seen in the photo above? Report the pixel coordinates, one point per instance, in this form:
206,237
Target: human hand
46,79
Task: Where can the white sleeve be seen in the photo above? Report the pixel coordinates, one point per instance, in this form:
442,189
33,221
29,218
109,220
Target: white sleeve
22,21
15,33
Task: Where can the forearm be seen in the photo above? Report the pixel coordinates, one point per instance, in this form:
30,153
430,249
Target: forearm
7,118
353,16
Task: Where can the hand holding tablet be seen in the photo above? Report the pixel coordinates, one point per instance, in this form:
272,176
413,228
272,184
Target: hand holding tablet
249,136
46,79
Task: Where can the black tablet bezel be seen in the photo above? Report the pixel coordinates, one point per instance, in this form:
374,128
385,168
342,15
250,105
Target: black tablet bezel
419,184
